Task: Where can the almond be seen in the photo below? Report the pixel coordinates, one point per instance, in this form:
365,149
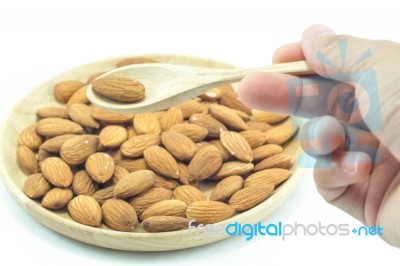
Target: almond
227,116
230,100
226,188
119,89
188,194
164,223
43,155
136,60
83,184
159,114
54,144
85,210
194,132
249,197
57,198
165,182
213,126
82,114
133,165
113,136
209,212
267,117
237,145
134,183
161,161
280,134
205,163
281,160
46,112
146,123
233,168
51,127
26,159
119,215
100,167
189,107
184,175
104,194
171,207
79,97
255,138
254,125
30,138
77,149
149,197
119,173
266,151
172,117
110,117
211,95
115,154
268,177
131,132
36,186
57,172
179,145
242,115
64,90
135,146
226,155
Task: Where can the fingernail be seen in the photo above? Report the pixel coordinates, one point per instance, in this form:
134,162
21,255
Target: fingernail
316,31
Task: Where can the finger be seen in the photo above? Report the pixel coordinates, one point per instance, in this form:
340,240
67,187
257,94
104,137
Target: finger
288,53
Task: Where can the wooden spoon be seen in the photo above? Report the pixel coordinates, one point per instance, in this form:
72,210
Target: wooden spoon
167,85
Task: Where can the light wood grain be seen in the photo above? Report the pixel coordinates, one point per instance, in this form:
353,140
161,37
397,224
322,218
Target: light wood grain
23,114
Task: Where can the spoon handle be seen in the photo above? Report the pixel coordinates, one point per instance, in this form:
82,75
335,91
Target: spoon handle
298,68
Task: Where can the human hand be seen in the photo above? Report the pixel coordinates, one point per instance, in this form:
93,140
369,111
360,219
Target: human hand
354,126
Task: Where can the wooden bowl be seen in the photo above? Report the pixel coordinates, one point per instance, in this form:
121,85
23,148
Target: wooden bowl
24,114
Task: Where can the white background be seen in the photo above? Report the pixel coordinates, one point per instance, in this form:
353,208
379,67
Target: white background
39,39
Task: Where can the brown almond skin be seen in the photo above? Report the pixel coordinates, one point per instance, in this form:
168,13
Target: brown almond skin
189,107
57,172
161,162
119,173
237,145
64,90
78,97
180,146
57,198
268,117
26,160
172,117
233,168
76,150
134,183
133,165
249,197
119,215
226,188
227,116
110,117
255,138
52,112
104,194
83,184
281,134
188,194
268,177
82,114
100,167
266,151
51,127
149,197
119,89
36,186
213,126
146,123
30,138
205,163
170,207
113,136
254,125
194,132
165,182
164,223
226,155
281,160
85,210
230,100
209,212
54,144
135,146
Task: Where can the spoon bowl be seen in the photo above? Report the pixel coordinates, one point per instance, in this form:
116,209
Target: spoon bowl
168,84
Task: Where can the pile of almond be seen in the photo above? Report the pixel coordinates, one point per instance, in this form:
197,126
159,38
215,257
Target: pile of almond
120,169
